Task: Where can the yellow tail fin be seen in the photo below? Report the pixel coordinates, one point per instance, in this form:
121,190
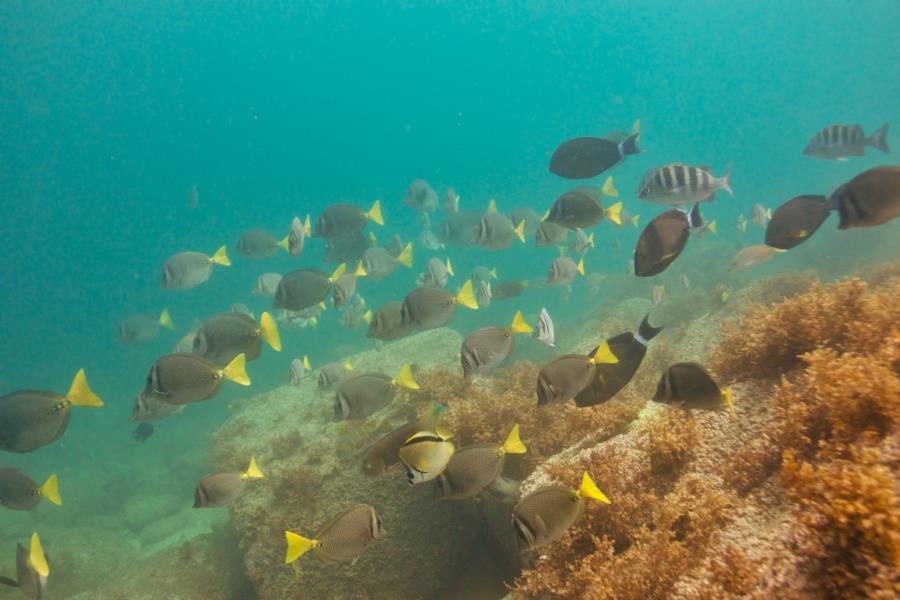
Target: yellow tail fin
165,319
614,213
50,490
373,241
348,366
635,220
466,296
367,317
493,271
580,266
728,397
450,268
269,331
307,227
769,214
297,546
513,444
374,213
604,355
492,206
636,126
221,257
285,244
306,364
713,228
80,393
406,257
609,189
37,560
405,379
520,231
519,325
590,490
590,240
338,272
360,270
234,371
252,471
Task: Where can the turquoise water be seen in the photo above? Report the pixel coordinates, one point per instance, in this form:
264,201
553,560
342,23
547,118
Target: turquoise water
110,112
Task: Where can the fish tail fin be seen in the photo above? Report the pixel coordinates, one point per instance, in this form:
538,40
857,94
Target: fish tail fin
590,490
713,227
252,471
590,240
614,213
235,370
405,258
492,206
360,270
269,330
636,127
221,257
520,231
769,214
367,317
450,268
80,393
37,560
725,181
373,241
629,145
609,189
604,355
50,490
306,364
307,226
878,139
297,546
493,271
348,366
513,443
646,330
405,378
165,319
728,397
374,213
338,272
432,416
466,296
519,325
285,243
580,266
635,220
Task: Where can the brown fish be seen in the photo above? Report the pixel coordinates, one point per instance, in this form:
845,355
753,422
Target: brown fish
549,233
794,221
303,288
484,349
224,336
185,270
458,228
473,468
346,250
184,378
504,290
363,395
421,197
384,453
543,515
582,208
387,323
343,220
562,378
689,385
18,491
429,307
663,239
531,218
344,539
497,232
259,243
332,374
871,198
378,263
32,569
218,489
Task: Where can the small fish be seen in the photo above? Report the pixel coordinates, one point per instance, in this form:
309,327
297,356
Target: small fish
394,246
18,491
549,233
218,489
425,455
436,273
186,378
384,452
586,157
297,236
30,419
143,432
871,198
678,184
239,308
473,468
138,329
760,215
657,294
486,348
259,243
451,200
689,385
562,378
752,256
503,290
546,513
347,249
420,197
363,395
582,208
222,337
378,263
150,407
795,220
483,294
663,239
429,307
528,215
297,372
626,219
497,232
581,243
480,274
459,228
741,225
353,317
429,240
186,343
266,284
543,329
838,142
193,198
344,539
343,220
185,270
563,271
305,288
331,374
32,570
345,286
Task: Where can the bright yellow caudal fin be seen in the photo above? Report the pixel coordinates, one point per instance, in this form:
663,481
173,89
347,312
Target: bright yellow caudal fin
269,331
635,220
590,240
614,213
80,393
374,213
50,490
450,268
728,397
367,317
405,258
713,228
609,189
37,560
466,296
252,471
234,371
493,271
769,214
307,227
285,243
360,270
297,546
405,379
306,364
590,490
604,355
221,257
492,206
520,231
519,325
348,366
165,319
513,444
338,272
580,266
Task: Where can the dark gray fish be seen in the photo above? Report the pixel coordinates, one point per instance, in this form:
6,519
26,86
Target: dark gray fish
459,228
395,245
420,197
871,198
331,374
563,271
796,220
224,336
344,288
586,157
480,274
31,583
503,290
429,240
473,468
304,288
484,349
384,452
297,236
150,407
363,395
451,200
185,270
428,307
582,208
18,491
531,218
346,250
219,489
184,378
549,233
543,515
838,142
387,323
436,273
543,329
378,263
259,243
497,232
663,239
344,539
562,378
343,220
267,284
138,329
689,385
677,184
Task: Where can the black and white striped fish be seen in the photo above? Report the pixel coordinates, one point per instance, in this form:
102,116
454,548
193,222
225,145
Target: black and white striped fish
838,142
677,184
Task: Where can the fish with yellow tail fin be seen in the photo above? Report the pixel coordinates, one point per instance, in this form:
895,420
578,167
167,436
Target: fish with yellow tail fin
425,455
387,323
581,243
421,197
304,288
546,513
19,492
564,377
378,263
32,570
182,378
496,231
331,374
563,271
343,539
436,273
343,220
430,307
137,329
365,394
582,208
259,243
218,489
690,386
384,453
185,270
31,419
297,236
222,337
486,348
473,468
298,371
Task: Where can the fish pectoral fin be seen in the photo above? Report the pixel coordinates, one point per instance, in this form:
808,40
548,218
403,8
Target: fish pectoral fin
8,581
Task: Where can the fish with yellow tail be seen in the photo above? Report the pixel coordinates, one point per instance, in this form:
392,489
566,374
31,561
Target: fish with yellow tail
365,394
18,491
32,570
183,378
496,231
690,386
546,513
486,348
304,288
138,329
564,377
300,230
473,468
185,270
343,220
582,208
425,455
563,271
343,539
222,337
384,452
218,489
430,307
378,263
258,243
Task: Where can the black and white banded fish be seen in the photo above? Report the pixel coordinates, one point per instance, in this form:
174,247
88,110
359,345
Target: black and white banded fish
838,142
677,184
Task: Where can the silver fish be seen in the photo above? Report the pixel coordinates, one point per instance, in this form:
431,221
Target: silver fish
266,284
563,271
429,240
185,270
581,243
543,329
297,236
483,294
838,142
436,273
677,184
760,215
420,197
297,373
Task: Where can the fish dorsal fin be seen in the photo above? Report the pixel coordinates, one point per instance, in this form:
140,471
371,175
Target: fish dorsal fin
492,206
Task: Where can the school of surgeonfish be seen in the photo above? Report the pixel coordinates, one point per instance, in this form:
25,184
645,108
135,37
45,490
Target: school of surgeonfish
218,347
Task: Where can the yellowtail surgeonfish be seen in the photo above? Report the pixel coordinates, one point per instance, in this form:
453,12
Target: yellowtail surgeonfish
18,491
344,539
218,489
484,349
367,393
561,379
185,270
543,515
475,467
184,378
